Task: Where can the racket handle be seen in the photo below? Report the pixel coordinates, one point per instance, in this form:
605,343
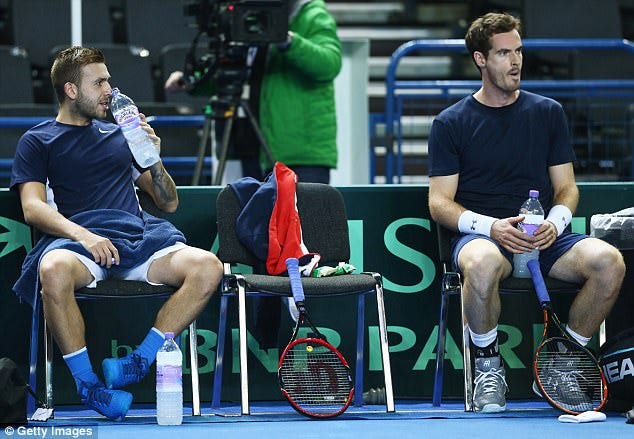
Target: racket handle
538,281
292,265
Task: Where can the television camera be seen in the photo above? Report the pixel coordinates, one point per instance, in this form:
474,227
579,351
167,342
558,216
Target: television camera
230,29
220,68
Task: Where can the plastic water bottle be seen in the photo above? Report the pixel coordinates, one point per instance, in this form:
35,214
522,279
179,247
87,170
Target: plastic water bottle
533,213
169,383
127,116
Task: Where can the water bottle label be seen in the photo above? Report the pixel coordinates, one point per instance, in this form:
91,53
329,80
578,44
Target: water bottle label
169,378
531,223
530,228
127,118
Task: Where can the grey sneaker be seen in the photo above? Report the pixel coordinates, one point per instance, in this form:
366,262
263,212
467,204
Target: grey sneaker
490,385
561,381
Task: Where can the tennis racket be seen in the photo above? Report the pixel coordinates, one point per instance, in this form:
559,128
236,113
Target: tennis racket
567,374
313,375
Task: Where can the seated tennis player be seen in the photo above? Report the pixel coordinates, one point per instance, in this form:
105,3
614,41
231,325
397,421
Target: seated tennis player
486,152
76,178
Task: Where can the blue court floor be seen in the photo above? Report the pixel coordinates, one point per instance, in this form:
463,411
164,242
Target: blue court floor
277,420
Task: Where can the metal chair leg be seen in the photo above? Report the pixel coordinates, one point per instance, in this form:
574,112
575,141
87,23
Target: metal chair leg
385,354
220,353
242,334
48,352
440,349
35,333
359,363
450,283
466,356
193,359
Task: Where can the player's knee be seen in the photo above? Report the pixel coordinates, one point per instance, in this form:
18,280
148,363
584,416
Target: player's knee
608,268
485,264
55,277
207,272
608,263
618,265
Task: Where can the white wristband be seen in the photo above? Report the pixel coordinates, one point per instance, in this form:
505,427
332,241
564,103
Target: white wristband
475,223
560,216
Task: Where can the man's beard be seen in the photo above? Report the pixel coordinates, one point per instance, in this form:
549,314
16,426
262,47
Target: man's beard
86,109
507,85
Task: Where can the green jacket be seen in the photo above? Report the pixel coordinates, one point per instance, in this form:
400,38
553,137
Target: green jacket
297,101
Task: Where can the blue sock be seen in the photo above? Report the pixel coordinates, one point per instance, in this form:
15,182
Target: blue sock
79,364
150,345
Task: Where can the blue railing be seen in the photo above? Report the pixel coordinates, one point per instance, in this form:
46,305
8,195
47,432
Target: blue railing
397,90
178,166
27,122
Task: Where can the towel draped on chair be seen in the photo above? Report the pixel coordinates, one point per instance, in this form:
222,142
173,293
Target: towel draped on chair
269,224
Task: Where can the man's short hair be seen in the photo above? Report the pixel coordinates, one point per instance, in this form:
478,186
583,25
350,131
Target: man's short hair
483,28
67,67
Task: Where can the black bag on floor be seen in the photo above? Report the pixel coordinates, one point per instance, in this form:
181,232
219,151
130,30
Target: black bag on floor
12,394
617,361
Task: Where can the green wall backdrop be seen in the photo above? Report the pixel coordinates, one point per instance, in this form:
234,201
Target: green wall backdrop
390,231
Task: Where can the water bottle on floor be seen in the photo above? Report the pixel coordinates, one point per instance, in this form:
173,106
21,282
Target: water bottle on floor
169,383
533,213
127,116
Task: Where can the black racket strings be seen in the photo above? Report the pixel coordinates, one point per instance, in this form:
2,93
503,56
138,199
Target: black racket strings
569,375
313,375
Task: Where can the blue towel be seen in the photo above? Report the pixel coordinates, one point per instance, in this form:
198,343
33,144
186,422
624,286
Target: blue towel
257,201
136,239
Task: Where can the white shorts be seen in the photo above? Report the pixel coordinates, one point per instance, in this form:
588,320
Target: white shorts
135,273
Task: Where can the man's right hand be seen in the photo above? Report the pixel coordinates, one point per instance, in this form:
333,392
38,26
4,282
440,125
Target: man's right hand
505,232
103,251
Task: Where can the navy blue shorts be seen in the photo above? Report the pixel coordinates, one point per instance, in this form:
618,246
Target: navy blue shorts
547,258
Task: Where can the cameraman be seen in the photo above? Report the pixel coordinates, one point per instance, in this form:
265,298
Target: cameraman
292,92
292,96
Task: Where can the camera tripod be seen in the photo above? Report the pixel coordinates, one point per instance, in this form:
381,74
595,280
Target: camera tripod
226,109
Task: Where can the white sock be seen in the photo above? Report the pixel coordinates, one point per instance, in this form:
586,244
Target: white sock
484,340
72,354
580,338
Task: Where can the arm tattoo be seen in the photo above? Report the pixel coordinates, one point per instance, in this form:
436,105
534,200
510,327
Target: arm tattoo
164,186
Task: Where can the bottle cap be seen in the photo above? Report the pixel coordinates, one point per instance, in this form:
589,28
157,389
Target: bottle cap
169,335
533,193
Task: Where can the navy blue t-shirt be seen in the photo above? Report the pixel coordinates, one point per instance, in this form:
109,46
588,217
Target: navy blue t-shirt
87,167
500,152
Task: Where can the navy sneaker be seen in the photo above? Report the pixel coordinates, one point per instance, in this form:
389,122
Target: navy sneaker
121,372
113,404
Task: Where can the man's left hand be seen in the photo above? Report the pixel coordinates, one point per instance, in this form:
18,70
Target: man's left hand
150,131
545,235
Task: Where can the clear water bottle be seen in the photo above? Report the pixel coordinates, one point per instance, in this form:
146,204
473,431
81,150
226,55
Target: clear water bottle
533,213
127,116
169,383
